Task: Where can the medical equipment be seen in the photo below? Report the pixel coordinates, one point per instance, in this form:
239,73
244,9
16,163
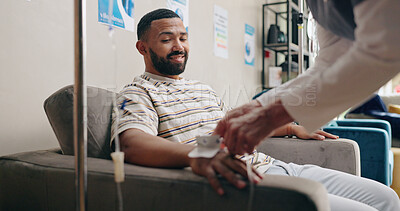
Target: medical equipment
80,105
251,177
117,156
80,111
207,147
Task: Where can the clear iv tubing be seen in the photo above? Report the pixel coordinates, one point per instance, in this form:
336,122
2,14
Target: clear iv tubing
118,166
115,128
250,177
114,96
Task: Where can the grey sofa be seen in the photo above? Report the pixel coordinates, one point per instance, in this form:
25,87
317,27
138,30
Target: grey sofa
44,180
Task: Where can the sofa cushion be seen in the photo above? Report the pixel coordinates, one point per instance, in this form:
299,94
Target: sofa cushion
59,111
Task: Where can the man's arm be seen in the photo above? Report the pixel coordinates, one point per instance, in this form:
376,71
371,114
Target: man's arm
148,150
144,149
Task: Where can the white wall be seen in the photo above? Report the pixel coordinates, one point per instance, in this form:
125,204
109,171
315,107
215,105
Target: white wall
36,59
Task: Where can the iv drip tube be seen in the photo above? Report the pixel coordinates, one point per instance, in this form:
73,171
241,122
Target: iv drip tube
80,105
117,156
250,178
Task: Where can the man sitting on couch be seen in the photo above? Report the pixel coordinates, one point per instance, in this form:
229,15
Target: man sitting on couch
161,113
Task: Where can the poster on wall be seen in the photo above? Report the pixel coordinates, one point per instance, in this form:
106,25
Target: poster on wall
249,46
181,8
122,13
220,32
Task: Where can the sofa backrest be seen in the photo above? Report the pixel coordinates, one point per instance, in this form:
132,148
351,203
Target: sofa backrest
59,111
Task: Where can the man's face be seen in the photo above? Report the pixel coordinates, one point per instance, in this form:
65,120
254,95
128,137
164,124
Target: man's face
168,46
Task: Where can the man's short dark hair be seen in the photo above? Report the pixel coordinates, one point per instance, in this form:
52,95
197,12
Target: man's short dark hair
145,21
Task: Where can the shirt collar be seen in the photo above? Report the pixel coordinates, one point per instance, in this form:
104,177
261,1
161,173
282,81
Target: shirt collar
162,78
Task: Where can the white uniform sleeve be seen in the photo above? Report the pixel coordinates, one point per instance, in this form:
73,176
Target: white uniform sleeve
345,73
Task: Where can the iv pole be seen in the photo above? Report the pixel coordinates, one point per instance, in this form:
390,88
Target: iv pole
80,105
300,35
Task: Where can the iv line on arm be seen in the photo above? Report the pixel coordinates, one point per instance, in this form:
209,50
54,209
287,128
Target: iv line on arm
209,146
251,177
117,156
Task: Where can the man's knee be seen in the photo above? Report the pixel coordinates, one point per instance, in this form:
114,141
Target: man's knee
386,199
393,199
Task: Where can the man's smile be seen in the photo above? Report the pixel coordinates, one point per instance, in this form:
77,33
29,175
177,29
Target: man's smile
180,58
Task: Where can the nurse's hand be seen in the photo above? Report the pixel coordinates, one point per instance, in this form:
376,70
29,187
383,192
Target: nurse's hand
245,127
222,126
240,111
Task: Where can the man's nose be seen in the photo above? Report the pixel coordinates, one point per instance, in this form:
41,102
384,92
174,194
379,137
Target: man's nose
178,46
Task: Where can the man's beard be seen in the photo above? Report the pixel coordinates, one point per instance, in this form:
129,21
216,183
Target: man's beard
166,67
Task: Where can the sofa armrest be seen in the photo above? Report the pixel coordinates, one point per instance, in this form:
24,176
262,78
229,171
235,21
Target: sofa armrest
44,180
339,154
374,123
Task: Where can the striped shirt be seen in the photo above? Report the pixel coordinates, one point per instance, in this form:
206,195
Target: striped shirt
177,110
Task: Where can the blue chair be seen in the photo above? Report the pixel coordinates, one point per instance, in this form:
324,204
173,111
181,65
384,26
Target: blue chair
374,139
375,108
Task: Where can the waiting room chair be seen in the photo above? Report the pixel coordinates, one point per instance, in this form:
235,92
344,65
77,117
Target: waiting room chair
374,139
379,107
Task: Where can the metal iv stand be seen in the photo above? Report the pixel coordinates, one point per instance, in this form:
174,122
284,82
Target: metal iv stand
80,105
300,34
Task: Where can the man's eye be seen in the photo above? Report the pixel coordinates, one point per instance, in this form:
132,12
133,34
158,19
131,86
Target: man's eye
165,40
183,39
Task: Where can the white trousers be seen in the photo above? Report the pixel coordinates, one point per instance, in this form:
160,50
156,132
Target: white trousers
345,191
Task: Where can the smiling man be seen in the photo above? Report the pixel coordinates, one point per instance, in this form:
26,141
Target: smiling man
162,113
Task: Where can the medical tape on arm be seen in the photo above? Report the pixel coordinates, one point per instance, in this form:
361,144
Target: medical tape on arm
207,147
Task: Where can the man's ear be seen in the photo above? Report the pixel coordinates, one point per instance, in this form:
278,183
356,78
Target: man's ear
141,47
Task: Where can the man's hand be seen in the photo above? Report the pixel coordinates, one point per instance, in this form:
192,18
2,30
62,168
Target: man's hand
301,132
225,165
245,127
